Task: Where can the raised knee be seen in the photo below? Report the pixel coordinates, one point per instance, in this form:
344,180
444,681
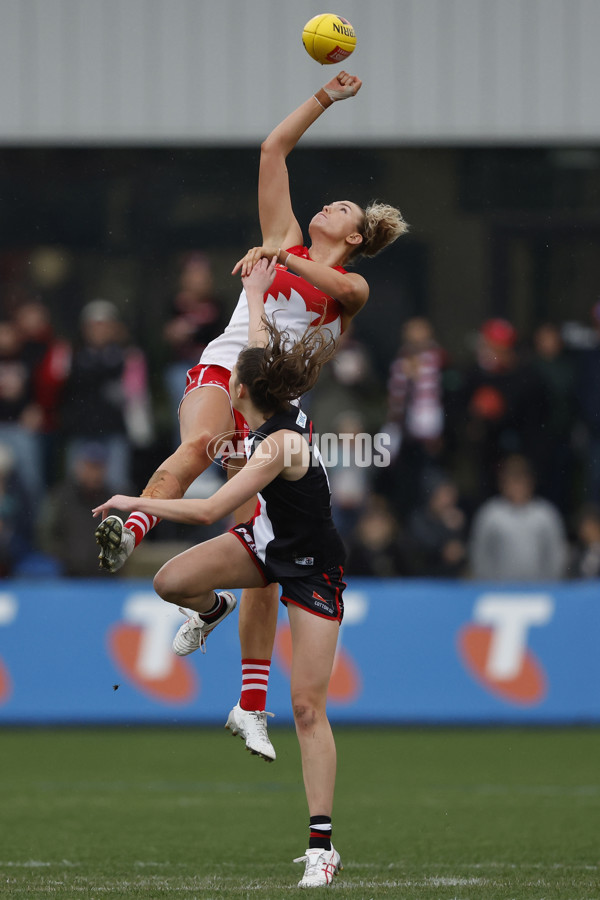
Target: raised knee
164,586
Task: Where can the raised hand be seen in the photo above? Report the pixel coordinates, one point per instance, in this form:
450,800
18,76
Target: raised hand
343,86
249,260
261,276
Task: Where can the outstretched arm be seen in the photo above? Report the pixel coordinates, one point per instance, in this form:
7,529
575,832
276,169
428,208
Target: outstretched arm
277,220
260,470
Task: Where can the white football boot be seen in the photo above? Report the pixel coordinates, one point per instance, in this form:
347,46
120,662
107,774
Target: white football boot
321,866
194,631
251,726
116,542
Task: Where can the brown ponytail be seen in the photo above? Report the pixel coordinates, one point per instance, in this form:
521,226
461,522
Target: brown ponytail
284,371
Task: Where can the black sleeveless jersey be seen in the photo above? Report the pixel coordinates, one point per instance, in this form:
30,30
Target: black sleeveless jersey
293,528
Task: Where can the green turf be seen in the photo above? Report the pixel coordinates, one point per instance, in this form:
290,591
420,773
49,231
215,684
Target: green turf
421,814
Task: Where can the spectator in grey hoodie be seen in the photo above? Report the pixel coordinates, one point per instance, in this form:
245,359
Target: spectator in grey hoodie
517,536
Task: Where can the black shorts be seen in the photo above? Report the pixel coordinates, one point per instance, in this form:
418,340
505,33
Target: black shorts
319,593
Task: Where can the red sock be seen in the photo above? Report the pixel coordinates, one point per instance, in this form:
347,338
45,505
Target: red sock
255,679
140,524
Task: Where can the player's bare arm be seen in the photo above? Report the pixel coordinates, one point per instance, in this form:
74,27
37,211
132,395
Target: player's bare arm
256,283
260,470
278,223
350,289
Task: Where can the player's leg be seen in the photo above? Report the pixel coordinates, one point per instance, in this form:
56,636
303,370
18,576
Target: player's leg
314,641
190,579
205,413
257,624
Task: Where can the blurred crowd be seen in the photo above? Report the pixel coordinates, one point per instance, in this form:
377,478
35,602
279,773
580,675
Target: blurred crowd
493,464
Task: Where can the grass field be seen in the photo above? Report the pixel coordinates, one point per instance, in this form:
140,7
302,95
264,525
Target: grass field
188,814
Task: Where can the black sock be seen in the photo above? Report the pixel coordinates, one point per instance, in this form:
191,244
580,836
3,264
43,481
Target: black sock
320,833
215,611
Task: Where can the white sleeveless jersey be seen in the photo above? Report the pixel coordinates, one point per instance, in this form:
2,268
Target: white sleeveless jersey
291,303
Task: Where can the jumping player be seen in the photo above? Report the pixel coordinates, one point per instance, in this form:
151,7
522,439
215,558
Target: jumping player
291,540
310,284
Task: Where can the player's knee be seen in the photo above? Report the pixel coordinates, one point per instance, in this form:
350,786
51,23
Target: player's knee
165,585
307,711
261,602
198,448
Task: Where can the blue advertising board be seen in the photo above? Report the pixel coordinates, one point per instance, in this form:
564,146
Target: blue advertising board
410,651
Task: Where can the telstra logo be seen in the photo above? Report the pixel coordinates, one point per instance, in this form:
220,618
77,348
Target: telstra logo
494,647
140,647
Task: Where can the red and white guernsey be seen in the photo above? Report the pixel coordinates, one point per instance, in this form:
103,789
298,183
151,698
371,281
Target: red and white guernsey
291,303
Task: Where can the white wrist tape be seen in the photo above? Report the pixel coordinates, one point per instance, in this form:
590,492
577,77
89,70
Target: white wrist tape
340,95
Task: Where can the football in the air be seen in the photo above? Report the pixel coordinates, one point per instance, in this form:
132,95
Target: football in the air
329,38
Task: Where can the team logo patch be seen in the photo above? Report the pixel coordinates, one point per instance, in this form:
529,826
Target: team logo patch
305,560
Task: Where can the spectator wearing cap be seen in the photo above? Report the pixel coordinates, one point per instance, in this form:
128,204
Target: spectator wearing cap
503,407
588,395
106,394
63,527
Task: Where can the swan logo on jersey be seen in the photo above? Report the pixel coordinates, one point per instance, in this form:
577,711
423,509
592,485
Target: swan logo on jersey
141,648
288,307
494,647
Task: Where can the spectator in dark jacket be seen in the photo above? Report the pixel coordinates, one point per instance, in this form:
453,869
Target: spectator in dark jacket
106,392
438,530
377,547
504,408
64,531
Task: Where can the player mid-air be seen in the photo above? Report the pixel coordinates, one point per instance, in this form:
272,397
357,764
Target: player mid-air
311,285
291,540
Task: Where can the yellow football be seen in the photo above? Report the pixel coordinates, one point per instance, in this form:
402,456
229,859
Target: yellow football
329,38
